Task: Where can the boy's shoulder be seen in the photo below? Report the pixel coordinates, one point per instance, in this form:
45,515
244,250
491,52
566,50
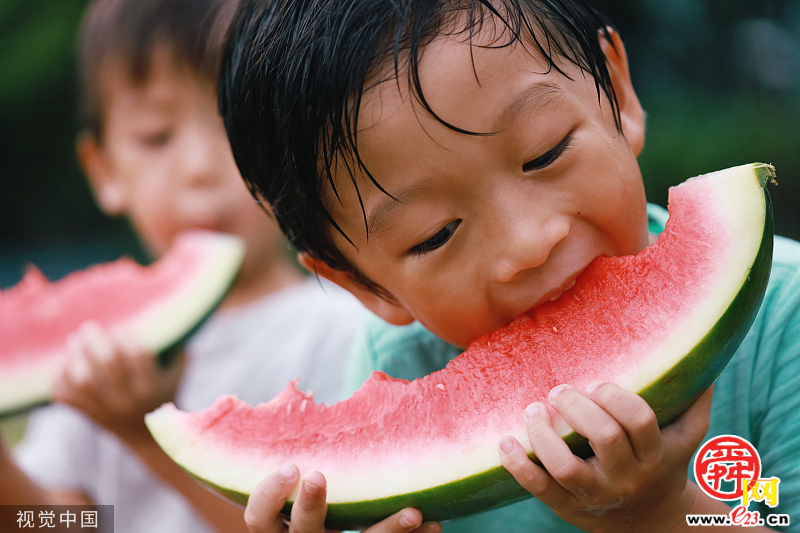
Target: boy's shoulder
406,352
786,255
780,309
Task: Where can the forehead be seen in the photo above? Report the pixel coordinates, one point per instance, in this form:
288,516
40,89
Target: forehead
165,79
458,67
476,86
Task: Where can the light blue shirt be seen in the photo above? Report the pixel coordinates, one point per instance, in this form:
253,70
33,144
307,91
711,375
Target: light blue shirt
757,396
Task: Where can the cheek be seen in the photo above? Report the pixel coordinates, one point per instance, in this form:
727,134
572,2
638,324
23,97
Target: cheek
152,217
450,306
629,215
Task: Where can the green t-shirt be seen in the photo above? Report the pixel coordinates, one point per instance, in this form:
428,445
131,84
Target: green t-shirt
757,396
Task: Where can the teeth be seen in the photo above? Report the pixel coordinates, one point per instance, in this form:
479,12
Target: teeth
557,296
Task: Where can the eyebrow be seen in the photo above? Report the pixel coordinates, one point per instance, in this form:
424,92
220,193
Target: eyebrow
539,94
385,211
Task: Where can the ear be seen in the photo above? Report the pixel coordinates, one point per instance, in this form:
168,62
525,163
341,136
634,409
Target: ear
391,312
632,116
108,191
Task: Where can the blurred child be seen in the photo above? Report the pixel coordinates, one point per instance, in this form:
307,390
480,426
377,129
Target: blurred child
155,150
455,164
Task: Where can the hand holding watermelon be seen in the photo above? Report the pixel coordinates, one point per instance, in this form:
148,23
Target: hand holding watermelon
112,379
638,474
263,513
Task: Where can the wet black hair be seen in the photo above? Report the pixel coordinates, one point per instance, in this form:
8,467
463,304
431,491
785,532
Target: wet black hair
294,72
128,31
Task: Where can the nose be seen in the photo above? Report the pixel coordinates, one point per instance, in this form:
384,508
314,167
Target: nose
527,242
202,163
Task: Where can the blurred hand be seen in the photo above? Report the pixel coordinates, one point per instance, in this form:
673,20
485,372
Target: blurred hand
114,381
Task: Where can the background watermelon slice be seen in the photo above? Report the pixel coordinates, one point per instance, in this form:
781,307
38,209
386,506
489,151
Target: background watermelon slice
663,323
160,304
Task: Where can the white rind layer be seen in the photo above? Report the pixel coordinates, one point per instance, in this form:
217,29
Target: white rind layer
29,385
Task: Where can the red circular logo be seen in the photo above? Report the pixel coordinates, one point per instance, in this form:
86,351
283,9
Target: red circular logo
726,458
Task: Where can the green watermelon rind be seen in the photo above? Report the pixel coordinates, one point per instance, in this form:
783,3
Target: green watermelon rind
669,395
228,259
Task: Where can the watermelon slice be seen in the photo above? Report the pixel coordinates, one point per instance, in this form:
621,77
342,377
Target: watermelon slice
663,323
160,304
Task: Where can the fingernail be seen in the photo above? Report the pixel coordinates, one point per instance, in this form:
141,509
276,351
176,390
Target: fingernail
405,522
533,409
288,472
556,391
507,445
311,488
591,387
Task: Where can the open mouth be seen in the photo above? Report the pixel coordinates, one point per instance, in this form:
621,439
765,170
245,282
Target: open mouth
555,294
558,295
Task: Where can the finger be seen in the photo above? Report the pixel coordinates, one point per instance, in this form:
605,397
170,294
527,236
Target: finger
571,472
608,439
140,367
310,507
405,521
634,417
74,384
102,356
687,432
531,476
96,340
263,511
141,375
126,340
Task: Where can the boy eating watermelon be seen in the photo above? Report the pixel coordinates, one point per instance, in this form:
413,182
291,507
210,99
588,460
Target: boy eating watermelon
454,165
154,150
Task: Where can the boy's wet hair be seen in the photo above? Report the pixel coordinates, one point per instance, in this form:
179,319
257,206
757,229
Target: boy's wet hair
128,31
294,73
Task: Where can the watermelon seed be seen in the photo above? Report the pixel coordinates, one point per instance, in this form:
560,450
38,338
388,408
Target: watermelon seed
440,386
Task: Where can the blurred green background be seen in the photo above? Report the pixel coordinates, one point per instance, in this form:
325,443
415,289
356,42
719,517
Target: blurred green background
720,80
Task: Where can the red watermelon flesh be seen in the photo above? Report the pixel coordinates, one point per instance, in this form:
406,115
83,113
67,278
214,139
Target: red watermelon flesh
662,323
159,304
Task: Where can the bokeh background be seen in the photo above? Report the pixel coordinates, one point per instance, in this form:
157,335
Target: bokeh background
720,80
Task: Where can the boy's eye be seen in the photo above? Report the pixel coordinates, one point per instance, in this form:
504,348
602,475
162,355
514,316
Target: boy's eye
546,159
441,237
156,139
